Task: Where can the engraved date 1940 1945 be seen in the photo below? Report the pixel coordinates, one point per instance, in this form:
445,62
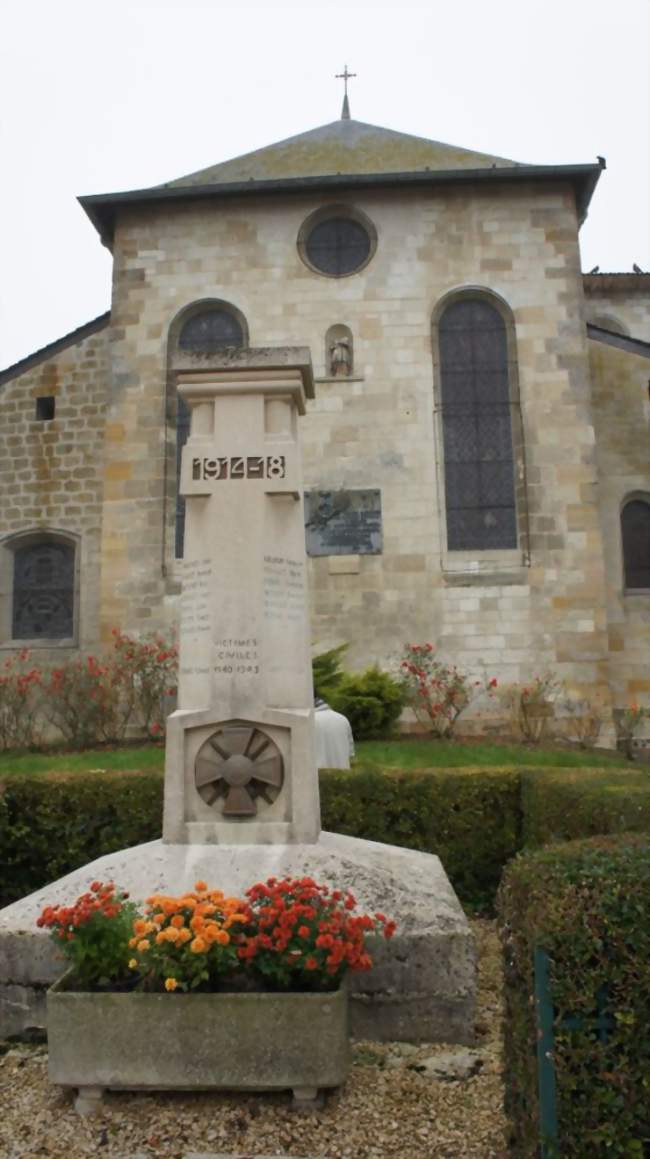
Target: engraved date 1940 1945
240,467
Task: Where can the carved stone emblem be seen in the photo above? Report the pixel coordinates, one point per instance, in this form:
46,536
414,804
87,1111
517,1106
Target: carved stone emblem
236,766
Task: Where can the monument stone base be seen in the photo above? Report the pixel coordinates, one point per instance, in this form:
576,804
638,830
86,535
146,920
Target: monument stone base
421,988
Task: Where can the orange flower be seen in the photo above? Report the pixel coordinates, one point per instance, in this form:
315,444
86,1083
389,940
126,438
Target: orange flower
184,935
140,927
222,938
170,983
178,920
143,945
200,886
199,945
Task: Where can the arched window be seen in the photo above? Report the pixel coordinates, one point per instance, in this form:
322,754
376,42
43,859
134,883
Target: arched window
635,533
203,330
475,398
43,590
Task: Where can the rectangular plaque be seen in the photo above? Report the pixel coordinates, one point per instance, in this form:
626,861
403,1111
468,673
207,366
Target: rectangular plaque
343,522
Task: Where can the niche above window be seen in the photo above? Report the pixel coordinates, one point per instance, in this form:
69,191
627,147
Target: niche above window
339,352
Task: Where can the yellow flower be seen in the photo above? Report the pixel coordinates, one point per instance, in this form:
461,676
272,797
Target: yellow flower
133,964
143,944
170,983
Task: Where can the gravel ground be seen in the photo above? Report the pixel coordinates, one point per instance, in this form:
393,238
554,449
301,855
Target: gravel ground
390,1106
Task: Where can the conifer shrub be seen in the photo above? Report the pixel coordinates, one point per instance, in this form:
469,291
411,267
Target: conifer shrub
371,700
587,905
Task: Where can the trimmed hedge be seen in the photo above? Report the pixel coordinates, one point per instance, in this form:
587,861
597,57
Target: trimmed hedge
474,819
51,825
564,804
587,904
469,817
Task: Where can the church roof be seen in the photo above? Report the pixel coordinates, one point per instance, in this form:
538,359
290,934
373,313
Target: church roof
345,154
342,147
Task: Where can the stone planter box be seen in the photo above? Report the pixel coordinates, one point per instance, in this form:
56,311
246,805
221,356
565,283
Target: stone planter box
229,1041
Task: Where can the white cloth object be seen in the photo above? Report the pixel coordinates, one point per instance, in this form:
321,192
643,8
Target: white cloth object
334,740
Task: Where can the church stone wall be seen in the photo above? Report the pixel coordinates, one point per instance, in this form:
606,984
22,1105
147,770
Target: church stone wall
622,414
50,471
511,610
631,310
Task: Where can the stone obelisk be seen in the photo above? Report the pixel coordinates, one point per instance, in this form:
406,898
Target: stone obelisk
240,764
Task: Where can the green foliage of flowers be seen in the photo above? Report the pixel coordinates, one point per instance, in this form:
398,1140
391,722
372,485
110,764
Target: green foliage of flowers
93,934
286,934
587,903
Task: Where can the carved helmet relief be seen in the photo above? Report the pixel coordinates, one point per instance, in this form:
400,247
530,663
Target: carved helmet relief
237,766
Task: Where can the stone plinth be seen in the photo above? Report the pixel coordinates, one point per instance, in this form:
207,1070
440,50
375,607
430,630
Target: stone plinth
422,985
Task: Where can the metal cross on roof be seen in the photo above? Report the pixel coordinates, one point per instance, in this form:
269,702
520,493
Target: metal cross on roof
345,76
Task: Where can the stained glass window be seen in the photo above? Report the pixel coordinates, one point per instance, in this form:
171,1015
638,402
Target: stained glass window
43,595
203,333
477,428
635,530
209,330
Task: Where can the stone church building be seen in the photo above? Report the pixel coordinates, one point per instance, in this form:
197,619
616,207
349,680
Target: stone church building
476,456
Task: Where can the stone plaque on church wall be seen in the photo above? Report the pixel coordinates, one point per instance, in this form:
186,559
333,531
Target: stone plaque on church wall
343,522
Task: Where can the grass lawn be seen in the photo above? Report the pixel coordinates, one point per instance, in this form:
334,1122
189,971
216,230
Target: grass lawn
429,754
127,759
405,754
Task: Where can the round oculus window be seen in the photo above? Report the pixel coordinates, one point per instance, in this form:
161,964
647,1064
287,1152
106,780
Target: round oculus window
337,246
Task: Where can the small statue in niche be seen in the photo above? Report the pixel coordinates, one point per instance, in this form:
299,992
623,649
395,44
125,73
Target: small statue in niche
340,358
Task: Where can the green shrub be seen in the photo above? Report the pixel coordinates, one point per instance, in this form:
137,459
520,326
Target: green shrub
563,804
371,700
469,817
50,826
587,904
326,670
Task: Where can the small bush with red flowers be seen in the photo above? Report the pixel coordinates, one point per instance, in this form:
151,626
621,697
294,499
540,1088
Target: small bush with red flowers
438,693
287,934
20,684
306,936
93,934
91,699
